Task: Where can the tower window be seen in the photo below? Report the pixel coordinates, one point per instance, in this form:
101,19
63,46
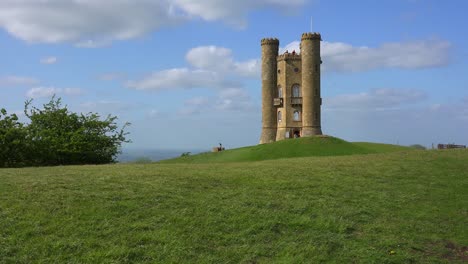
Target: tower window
316,68
296,116
316,116
279,116
296,90
279,71
296,69
280,92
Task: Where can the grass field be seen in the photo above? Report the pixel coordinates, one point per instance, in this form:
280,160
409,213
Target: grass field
397,207
292,148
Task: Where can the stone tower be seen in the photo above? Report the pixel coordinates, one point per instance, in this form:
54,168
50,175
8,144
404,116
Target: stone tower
291,99
312,102
270,48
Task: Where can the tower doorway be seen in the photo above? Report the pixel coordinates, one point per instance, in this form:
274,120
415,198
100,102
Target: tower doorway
297,134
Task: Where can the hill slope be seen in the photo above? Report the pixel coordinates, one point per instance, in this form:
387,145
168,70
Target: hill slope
401,207
292,148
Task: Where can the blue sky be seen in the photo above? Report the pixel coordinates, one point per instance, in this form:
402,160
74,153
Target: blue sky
185,73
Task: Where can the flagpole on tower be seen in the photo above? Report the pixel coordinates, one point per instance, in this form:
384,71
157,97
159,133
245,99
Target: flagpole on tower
311,24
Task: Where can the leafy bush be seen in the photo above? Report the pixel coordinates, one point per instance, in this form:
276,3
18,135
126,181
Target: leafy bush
185,154
56,136
417,146
13,146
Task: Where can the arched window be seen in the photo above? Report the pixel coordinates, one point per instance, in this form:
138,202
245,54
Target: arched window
296,116
279,116
280,92
296,91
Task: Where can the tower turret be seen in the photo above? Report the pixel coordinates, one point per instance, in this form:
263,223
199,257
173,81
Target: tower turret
270,48
310,53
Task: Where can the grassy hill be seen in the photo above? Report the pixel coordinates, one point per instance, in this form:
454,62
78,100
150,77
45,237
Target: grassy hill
398,207
292,148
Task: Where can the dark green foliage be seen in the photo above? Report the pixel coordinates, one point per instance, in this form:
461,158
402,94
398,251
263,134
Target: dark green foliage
185,154
417,146
13,146
56,136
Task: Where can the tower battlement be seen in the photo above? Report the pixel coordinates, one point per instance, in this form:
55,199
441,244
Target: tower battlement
289,56
270,41
311,35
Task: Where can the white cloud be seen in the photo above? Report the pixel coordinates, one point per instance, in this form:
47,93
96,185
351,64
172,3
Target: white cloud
234,99
179,78
84,22
12,80
375,99
111,76
233,12
49,60
411,123
195,105
91,23
210,58
41,92
213,67
342,57
229,99
221,60
250,68
153,113
92,105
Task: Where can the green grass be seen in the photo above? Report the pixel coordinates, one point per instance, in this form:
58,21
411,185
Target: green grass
292,148
398,207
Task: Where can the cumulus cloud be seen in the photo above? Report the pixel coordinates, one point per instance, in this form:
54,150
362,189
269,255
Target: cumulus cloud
212,67
41,92
234,99
85,21
230,99
111,76
342,57
90,23
180,78
12,80
412,123
210,58
375,99
220,59
49,60
106,106
232,12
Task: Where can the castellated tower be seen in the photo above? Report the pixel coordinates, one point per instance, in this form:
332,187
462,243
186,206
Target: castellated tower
270,48
312,102
291,99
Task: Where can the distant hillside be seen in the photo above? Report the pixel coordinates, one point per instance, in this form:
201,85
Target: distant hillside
300,147
131,155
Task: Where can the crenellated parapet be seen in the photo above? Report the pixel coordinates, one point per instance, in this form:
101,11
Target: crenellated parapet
311,36
270,41
289,56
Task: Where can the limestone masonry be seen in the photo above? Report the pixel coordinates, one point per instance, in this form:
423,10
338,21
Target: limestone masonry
291,99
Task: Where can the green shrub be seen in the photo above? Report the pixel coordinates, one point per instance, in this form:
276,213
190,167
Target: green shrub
417,146
56,136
